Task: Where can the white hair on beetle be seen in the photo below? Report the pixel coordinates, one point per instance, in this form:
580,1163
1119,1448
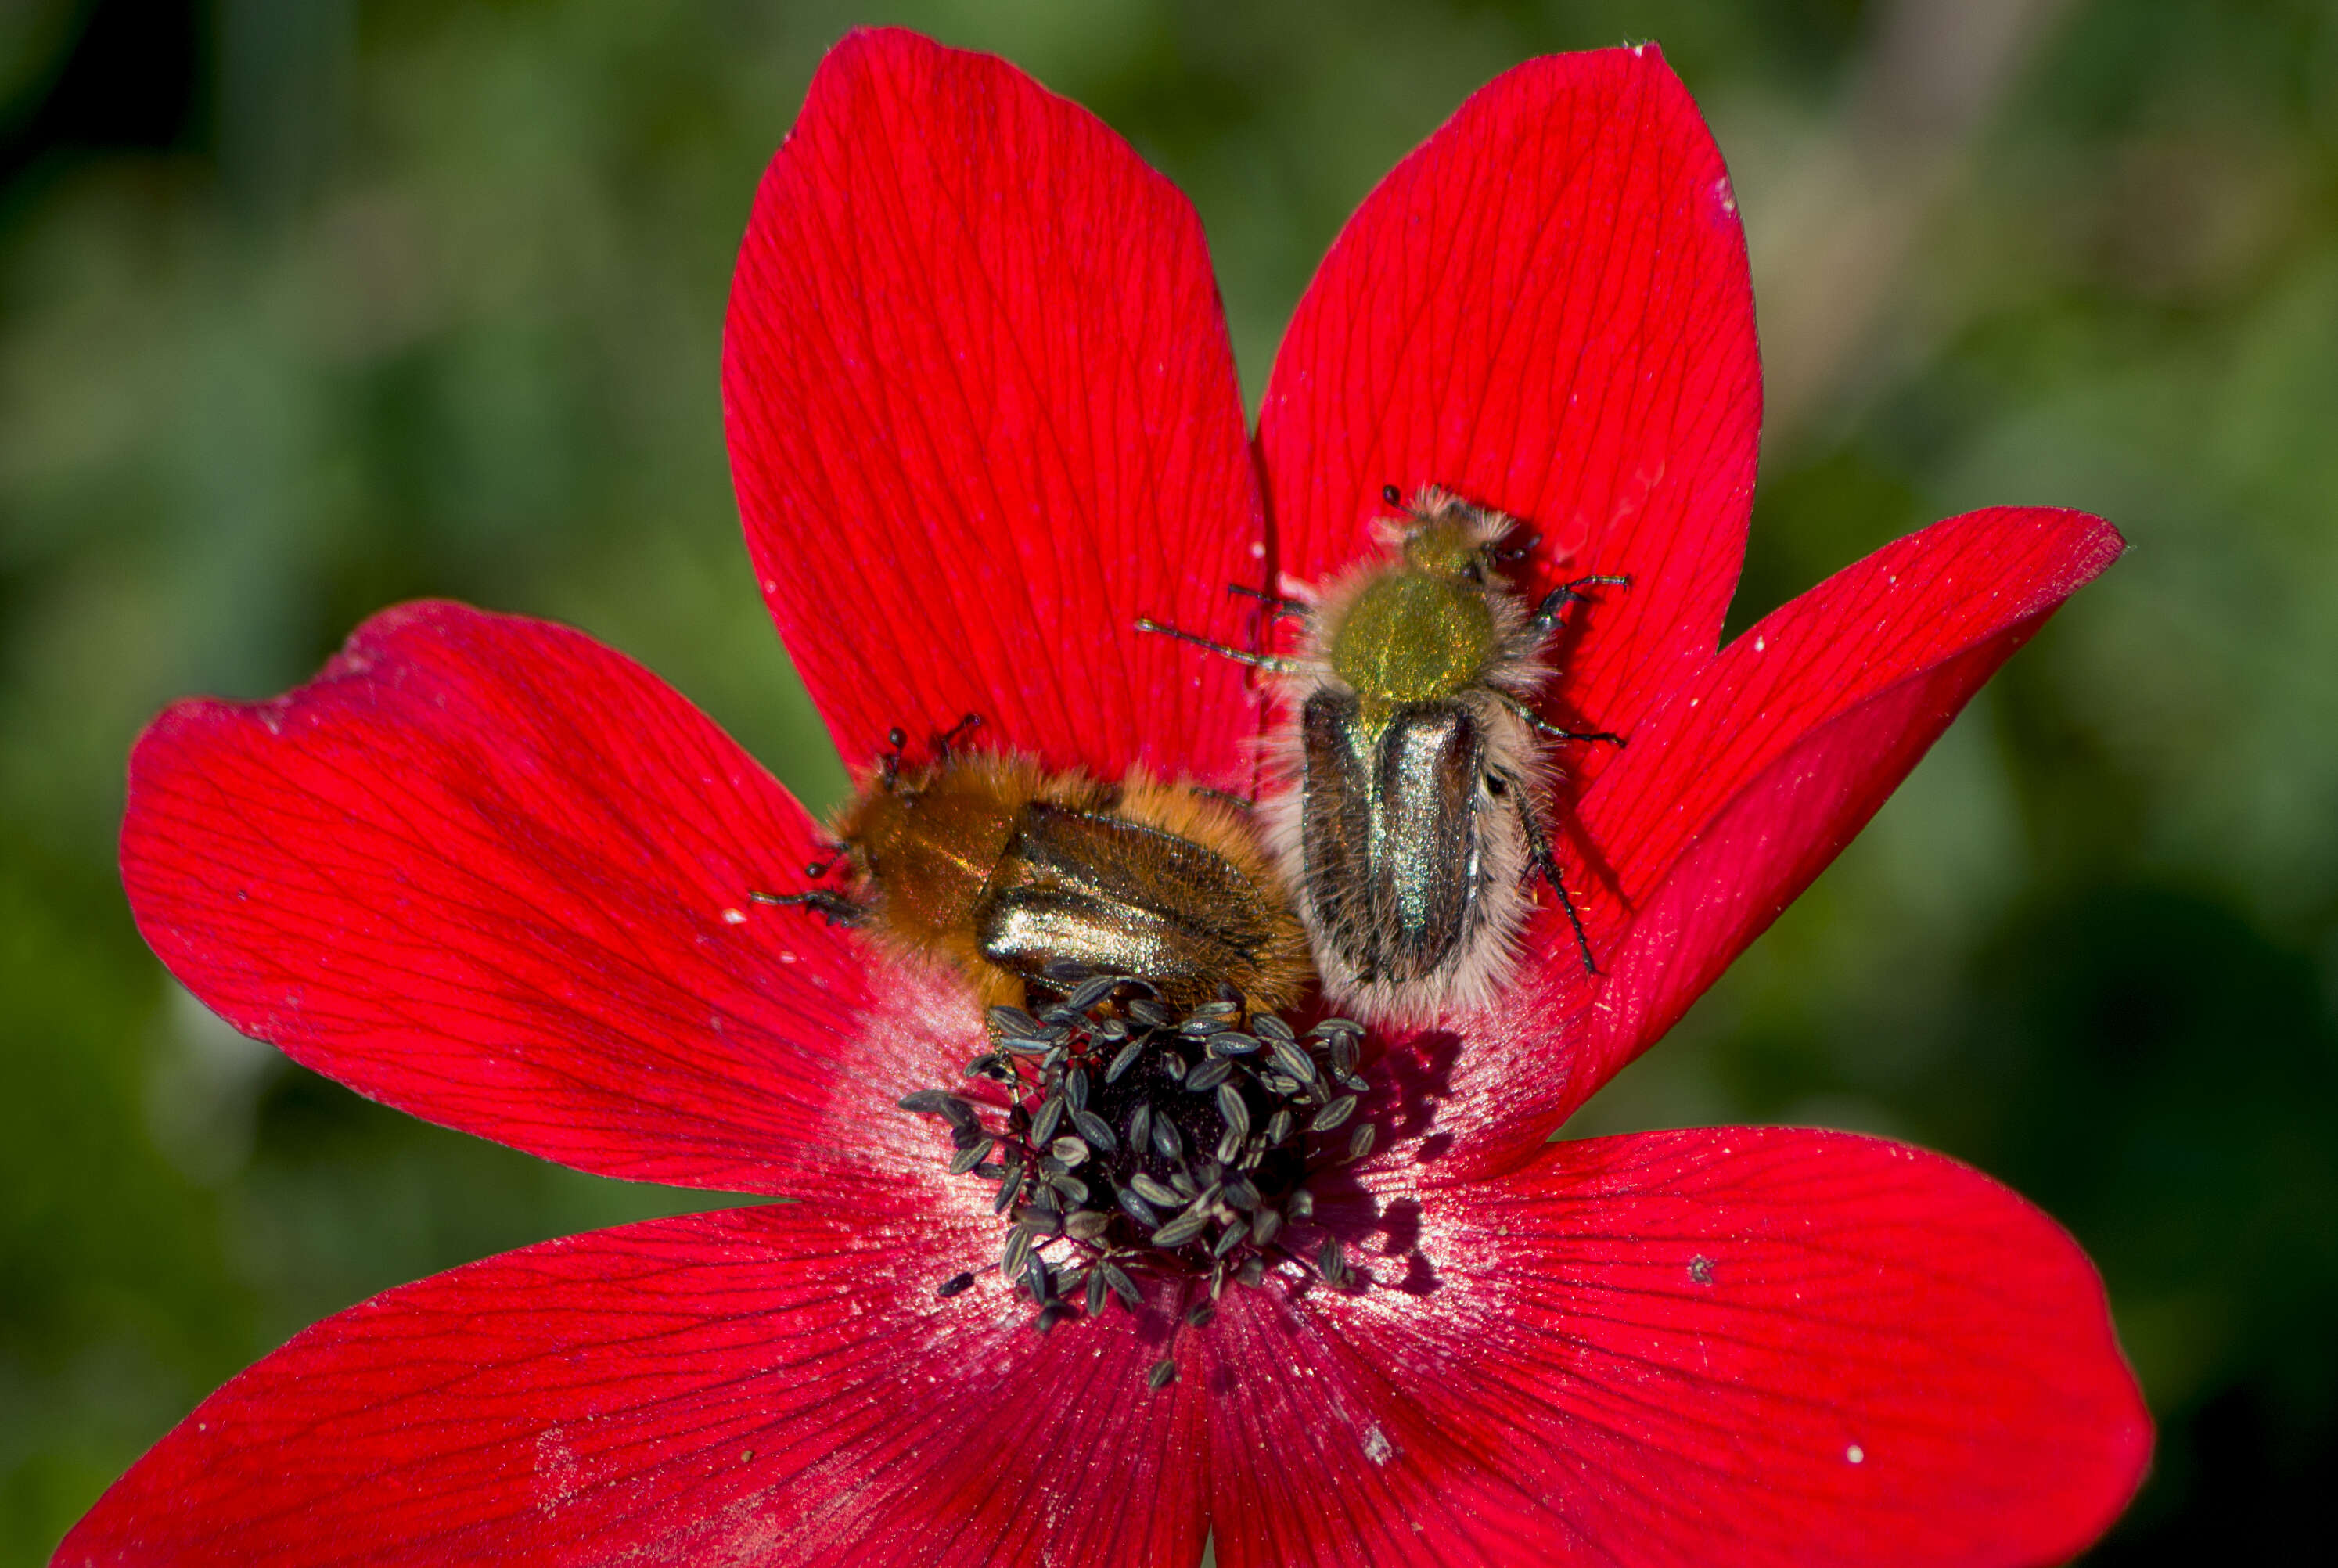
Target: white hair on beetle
1489,948
1452,658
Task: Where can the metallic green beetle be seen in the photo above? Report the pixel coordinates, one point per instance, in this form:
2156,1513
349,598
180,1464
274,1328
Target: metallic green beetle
1417,818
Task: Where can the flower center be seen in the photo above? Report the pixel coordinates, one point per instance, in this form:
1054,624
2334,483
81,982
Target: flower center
1137,1140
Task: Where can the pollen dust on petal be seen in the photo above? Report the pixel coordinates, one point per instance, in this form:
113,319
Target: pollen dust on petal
558,1473
1377,1448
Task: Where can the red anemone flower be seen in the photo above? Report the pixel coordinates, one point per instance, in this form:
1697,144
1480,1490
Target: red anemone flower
983,415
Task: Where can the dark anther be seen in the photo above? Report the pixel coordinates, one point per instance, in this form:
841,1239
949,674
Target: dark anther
1392,495
1138,1140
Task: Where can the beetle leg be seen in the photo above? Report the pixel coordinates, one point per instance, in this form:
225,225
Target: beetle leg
1545,616
1275,602
1539,847
839,909
1547,728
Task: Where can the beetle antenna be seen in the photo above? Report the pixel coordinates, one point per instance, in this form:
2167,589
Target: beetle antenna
947,739
888,763
1255,661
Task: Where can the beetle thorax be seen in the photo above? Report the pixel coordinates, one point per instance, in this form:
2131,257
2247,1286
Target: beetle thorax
1413,637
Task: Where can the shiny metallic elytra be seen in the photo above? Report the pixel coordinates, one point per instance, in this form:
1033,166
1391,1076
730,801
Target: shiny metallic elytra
1209,1182
1417,814
1007,870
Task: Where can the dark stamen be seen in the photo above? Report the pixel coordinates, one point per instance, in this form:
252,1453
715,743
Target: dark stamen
1135,1140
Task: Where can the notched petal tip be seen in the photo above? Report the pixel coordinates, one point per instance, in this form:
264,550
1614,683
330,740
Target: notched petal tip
498,874
2093,541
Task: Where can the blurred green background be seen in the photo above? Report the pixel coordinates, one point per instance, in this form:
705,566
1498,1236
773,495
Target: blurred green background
308,306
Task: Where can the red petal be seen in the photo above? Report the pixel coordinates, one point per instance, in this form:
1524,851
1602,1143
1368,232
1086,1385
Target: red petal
1745,1345
495,873
1547,308
773,1386
1743,787
983,415
1750,783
